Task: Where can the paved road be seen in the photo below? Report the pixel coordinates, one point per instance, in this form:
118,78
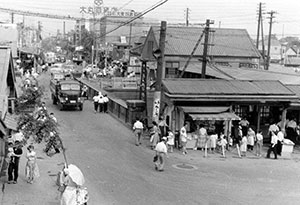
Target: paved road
118,172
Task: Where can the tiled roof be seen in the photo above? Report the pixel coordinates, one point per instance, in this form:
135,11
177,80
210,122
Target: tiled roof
224,87
226,42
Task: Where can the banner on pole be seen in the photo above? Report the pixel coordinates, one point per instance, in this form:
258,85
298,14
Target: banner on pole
156,106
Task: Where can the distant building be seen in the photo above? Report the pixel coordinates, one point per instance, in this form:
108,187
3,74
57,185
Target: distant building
9,37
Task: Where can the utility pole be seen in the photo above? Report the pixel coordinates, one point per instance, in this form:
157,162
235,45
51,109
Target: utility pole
160,54
269,40
12,18
187,12
205,48
258,26
263,44
64,30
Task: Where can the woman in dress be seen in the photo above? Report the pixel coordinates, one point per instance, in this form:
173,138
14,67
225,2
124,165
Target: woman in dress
170,142
155,132
31,169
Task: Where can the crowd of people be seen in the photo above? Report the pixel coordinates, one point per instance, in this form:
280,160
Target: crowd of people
100,103
243,140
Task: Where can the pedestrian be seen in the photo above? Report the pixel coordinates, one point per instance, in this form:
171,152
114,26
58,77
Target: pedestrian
291,126
280,137
183,138
202,138
96,102
213,142
101,104
161,152
273,128
244,123
250,138
105,105
138,130
273,146
244,146
163,127
171,141
223,143
84,92
155,135
13,167
51,116
259,143
31,169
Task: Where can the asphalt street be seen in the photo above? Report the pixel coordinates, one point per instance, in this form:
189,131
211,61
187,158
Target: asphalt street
118,172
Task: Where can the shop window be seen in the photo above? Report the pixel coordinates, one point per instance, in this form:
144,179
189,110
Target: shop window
172,69
241,110
265,114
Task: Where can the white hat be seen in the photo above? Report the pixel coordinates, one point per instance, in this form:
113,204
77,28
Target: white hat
164,138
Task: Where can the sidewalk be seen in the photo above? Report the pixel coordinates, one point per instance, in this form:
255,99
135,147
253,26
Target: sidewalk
43,191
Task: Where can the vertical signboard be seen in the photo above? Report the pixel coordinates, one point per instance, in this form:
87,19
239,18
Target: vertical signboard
156,105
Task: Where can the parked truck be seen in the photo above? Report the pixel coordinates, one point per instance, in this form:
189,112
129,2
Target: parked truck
66,93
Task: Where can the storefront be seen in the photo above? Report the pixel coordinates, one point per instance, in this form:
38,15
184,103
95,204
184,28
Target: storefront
219,103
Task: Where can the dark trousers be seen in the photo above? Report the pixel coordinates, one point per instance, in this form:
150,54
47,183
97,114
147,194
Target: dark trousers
279,147
105,106
96,106
272,149
13,171
101,107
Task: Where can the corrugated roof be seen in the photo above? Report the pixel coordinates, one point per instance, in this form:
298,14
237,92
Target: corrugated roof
295,89
256,74
224,87
226,42
196,67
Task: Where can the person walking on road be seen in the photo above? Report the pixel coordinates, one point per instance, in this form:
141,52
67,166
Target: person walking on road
101,104
280,137
96,102
31,169
155,135
171,141
138,130
183,138
13,167
161,152
273,146
105,105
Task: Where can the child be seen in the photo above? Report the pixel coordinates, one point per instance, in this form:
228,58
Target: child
223,143
170,142
259,143
244,146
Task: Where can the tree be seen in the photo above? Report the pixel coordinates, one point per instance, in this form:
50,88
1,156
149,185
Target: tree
34,119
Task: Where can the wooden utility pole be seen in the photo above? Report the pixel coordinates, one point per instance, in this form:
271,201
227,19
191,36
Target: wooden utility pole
205,48
263,43
269,40
187,12
161,56
64,29
12,18
258,26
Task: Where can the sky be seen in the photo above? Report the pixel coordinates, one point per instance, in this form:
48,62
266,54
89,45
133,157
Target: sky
225,13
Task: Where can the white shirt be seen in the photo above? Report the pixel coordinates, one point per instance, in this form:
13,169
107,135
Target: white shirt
259,137
96,98
161,147
273,128
183,134
100,100
280,136
138,125
202,131
274,139
105,99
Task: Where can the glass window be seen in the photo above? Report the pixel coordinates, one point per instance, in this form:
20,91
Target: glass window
70,87
172,69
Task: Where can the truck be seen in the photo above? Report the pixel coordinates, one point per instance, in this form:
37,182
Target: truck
66,93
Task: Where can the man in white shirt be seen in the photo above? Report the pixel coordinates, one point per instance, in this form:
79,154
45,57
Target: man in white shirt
280,137
138,129
161,152
96,101
273,146
105,105
101,103
51,115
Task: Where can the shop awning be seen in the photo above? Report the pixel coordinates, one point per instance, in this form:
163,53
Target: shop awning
11,122
215,116
210,113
